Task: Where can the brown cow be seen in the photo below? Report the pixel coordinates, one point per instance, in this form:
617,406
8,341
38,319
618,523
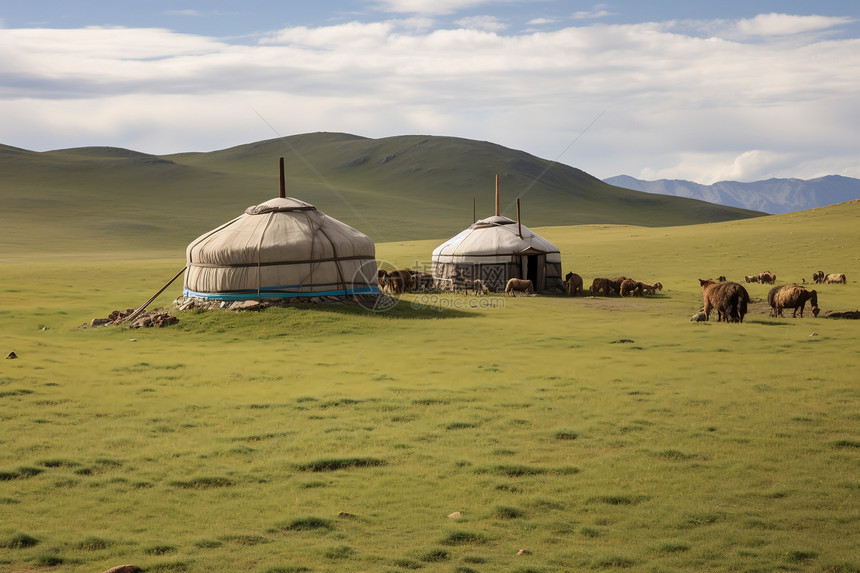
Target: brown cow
818,277
835,278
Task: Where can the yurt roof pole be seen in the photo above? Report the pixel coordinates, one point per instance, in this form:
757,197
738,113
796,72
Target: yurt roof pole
474,209
497,195
283,194
519,225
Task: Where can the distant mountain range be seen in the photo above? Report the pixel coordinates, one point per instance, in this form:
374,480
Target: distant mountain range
395,188
774,196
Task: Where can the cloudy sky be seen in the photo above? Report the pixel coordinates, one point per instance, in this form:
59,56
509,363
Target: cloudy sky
706,91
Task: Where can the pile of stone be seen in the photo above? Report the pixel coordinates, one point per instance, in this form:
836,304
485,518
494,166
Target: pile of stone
154,319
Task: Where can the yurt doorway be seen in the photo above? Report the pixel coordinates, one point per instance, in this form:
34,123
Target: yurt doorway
532,266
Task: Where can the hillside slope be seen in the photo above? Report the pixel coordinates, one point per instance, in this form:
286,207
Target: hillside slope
407,187
773,196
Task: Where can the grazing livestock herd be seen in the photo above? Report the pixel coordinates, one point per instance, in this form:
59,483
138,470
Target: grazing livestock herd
821,278
729,299
765,277
622,286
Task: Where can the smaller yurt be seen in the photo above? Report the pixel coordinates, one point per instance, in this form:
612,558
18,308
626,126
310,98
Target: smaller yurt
495,250
282,248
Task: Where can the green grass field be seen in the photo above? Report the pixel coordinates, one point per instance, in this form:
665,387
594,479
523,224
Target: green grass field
594,433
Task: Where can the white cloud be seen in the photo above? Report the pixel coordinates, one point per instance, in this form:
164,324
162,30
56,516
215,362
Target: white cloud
786,24
599,11
771,26
488,23
542,21
669,104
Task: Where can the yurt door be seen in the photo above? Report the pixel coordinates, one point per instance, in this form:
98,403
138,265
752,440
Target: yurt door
534,270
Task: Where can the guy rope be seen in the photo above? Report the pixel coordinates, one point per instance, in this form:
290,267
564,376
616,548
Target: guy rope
141,308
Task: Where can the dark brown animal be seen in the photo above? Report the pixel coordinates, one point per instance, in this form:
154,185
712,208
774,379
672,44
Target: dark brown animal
730,300
421,281
767,277
792,296
615,285
629,287
651,289
818,277
835,278
573,284
519,285
600,286
751,279
397,282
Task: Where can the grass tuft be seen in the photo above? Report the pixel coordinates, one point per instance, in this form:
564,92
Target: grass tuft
407,564
19,541
801,556
435,555
47,560
566,435
675,455
22,472
339,552
307,524
334,464
463,538
159,549
618,499
518,470
505,512
92,544
844,444
673,547
203,483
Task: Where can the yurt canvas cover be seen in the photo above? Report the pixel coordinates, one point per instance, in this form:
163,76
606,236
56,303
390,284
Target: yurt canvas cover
281,248
492,250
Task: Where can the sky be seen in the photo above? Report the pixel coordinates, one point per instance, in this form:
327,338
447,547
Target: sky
703,91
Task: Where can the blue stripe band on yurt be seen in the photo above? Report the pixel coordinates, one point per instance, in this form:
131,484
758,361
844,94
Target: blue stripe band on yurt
269,293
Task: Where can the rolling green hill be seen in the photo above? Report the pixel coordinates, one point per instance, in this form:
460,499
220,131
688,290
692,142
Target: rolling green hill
408,187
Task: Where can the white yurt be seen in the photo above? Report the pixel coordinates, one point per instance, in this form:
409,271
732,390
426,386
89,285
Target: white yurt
495,250
282,248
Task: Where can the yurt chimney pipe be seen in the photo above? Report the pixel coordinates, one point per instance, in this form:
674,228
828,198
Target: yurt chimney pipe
519,225
474,210
497,195
283,194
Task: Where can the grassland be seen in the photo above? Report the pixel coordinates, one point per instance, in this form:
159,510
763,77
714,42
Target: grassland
597,434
